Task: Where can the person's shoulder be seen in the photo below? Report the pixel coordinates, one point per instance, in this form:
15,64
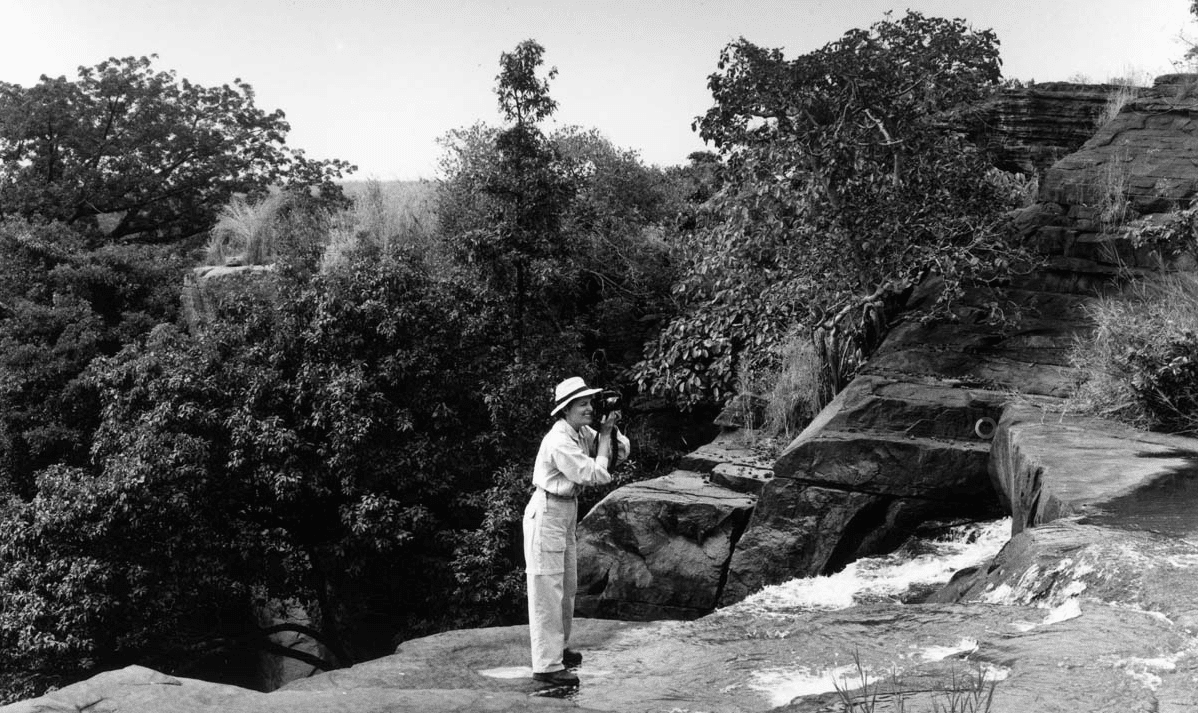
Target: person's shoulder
559,430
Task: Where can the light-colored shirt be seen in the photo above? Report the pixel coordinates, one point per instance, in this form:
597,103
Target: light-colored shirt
564,464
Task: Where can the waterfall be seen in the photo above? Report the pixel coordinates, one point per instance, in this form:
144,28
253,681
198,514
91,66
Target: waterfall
904,576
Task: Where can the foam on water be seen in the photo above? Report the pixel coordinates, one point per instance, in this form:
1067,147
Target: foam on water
886,578
784,685
939,653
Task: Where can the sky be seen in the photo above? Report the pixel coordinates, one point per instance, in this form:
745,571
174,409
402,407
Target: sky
378,82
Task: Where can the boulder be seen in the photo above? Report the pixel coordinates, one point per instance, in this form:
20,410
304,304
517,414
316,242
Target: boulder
659,548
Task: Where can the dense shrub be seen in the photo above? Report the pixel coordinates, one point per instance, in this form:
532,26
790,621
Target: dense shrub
63,302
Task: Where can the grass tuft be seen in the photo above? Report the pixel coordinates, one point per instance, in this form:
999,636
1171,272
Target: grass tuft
789,383
1140,363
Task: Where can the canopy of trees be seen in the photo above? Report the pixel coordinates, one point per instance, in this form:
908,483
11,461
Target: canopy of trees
155,154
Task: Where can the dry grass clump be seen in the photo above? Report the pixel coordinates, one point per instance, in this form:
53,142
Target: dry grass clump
1123,94
245,233
1141,361
790,386
384,215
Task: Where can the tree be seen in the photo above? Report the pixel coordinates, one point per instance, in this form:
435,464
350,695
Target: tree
154,155
524,194
840,192
524,97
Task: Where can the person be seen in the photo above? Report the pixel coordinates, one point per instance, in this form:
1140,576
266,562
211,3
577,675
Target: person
572,456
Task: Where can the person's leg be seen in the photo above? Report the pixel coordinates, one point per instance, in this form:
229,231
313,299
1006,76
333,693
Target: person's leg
545,621
570,578
544,554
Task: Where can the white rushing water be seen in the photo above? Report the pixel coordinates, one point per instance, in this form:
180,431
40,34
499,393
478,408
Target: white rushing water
886,578
889,578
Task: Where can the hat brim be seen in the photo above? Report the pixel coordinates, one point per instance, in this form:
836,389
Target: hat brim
573,397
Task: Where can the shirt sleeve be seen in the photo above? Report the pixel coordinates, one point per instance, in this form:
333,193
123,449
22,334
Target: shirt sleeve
576,465
623,445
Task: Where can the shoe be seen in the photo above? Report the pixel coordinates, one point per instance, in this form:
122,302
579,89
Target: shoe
571,658
561,678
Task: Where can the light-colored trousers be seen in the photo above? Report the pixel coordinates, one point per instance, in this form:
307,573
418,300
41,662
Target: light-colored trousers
551,566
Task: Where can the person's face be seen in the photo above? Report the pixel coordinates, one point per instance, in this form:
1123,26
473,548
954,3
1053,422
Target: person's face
580,412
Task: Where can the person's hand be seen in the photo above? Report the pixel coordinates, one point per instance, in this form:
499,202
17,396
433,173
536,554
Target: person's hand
609,422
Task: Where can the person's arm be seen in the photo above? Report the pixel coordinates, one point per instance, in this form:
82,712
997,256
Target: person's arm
578,466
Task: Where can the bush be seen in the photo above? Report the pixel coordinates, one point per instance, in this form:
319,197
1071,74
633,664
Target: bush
1140,364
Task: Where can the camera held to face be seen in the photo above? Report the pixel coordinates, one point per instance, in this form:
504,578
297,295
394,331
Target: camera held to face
604,403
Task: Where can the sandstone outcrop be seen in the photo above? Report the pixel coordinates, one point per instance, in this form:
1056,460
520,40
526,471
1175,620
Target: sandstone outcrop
1142,160
882,458
1029,128
1098,468
204,287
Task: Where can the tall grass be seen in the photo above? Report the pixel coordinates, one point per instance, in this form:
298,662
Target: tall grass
789,384
245,233
1114,207
1126,89
384,215
1140,364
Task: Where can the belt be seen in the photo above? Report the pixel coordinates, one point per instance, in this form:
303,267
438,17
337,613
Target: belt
555,496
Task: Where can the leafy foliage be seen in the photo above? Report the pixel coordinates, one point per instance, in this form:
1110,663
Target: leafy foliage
599,273
155,155
63,304
839,189
524,97
312,449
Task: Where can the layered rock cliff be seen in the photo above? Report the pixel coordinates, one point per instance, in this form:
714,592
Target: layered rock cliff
1029,128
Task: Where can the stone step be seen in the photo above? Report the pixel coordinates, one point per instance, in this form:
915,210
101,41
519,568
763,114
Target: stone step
729,447
741,478
891,464
931,408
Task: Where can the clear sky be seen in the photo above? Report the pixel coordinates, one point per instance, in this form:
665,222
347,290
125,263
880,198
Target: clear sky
376,82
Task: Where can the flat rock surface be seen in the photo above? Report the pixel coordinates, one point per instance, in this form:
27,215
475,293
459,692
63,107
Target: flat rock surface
1083,655
1048,465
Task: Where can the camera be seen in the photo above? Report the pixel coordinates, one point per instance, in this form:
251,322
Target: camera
605,402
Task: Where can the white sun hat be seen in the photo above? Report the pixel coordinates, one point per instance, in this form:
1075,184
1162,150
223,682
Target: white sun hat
568,390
